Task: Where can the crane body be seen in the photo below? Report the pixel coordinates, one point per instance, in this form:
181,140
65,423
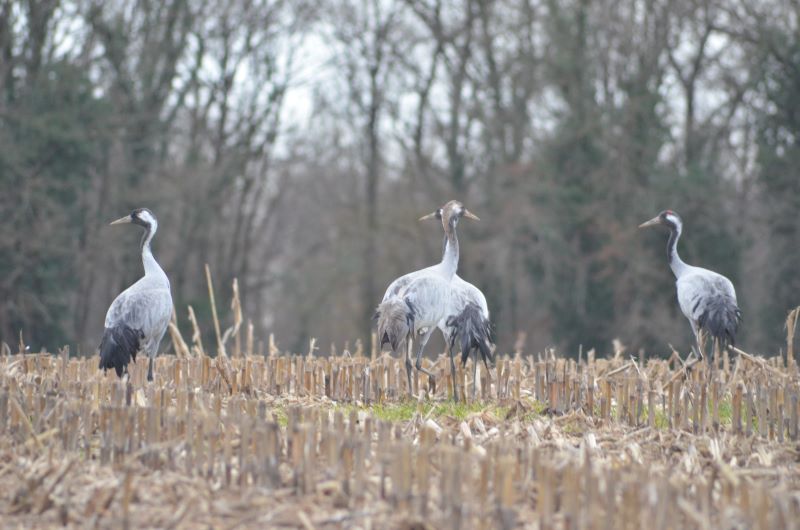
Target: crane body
466,321
415,303
706,298
138,318
468,326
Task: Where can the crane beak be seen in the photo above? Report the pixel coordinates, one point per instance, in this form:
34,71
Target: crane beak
470,215
431,215
652,222
122,220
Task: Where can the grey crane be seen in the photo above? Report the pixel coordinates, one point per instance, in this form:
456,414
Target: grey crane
466,321
138,317
416,303
469,326
706,298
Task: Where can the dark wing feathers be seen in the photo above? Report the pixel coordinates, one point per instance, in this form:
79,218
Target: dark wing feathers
708,300
720,317
472,330
119,345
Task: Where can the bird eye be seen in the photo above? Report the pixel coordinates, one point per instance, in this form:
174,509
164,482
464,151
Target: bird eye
439,213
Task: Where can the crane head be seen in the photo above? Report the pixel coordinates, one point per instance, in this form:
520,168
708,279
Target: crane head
450,213
140,216
667,218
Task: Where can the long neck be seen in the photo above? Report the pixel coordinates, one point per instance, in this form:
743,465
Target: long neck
151,266
675,262
450,253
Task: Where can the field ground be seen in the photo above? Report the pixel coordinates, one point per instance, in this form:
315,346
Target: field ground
300,442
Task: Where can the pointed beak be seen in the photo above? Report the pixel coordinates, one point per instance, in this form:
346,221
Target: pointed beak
652,222
122,220
470,215
431,215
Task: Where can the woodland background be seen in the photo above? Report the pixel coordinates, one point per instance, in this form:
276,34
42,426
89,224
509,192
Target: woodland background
292,144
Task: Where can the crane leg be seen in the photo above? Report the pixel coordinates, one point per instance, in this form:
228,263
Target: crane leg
423,341
408,366
150,369
485,361
475,372
453,371
698,337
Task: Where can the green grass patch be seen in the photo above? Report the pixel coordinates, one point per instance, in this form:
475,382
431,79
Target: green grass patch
404,410
725,408
395,412
537,407
280,416
460,411
660,419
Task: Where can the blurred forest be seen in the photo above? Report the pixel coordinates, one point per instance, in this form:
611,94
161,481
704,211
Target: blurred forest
292,144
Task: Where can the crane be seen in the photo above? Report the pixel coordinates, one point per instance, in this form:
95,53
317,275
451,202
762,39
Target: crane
137,319
415,303
469,325
706,298
466,321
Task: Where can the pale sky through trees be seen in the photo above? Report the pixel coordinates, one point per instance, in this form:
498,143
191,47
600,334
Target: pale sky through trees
293,145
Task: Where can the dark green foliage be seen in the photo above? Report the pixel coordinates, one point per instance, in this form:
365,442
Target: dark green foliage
562,124
779,161
51,143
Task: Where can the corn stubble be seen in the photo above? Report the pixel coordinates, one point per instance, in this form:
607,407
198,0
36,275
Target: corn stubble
250,439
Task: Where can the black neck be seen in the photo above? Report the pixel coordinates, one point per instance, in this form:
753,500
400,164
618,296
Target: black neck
148,230
675,262
672,244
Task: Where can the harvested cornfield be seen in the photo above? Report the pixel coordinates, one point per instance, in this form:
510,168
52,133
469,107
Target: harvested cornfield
270,440
329,442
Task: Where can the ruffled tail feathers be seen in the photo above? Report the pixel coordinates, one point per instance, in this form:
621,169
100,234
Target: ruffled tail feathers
119,345
721,320
472,331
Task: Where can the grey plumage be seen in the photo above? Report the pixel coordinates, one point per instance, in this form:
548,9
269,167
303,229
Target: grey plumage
473,333
706,298
471,330
413,311
395,318
467,326
466,319
415,304
138,318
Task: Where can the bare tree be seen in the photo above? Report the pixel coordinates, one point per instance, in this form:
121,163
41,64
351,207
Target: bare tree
369,34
